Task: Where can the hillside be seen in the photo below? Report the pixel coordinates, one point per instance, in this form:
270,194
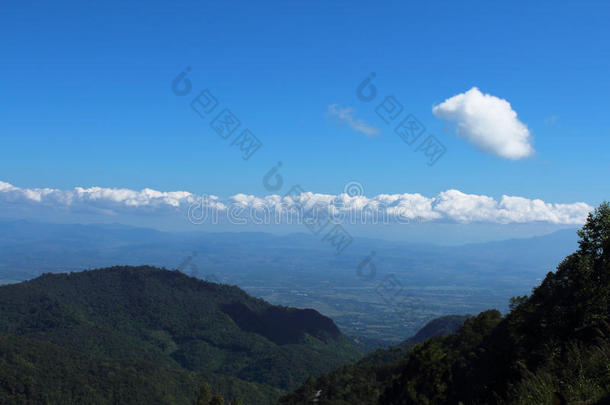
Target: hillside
178,329
553,347
37,372
364,381
445,325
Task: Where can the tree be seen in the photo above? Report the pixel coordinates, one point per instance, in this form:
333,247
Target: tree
205,394
516,301
595,234
217,400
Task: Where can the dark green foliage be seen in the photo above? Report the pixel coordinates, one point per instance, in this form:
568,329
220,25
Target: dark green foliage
171,322
434,368
37,372
282,325
217,400
366,381
516,301
442,326
205,394
552,348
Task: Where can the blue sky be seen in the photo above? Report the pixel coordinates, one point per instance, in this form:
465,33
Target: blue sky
87,101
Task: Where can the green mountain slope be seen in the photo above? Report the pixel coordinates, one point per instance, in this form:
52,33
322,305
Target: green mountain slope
365,381
173,323
37,372
552,348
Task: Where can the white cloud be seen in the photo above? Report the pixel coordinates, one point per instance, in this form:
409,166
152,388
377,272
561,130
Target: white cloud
488,122
347,116
96,197
447,206
466,208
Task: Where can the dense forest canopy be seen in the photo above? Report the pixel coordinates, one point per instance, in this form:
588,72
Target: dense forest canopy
100,326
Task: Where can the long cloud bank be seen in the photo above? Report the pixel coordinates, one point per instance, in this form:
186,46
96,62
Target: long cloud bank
447,206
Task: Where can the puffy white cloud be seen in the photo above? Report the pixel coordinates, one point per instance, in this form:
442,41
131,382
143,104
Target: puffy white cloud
447,206
347,116
488,122
462,207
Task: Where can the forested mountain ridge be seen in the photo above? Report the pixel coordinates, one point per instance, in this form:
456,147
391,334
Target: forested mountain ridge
553,347
174,324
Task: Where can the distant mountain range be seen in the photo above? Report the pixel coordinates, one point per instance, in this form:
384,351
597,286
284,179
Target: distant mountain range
29,248
301,270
